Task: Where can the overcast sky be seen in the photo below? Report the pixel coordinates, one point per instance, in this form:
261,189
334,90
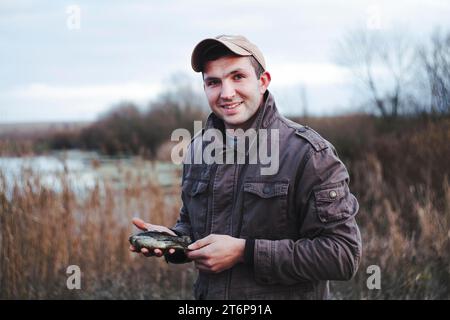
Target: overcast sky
54,69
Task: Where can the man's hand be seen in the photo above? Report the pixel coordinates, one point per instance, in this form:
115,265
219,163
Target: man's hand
216,253
145,226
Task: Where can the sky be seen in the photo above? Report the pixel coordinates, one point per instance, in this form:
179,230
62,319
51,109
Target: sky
73,60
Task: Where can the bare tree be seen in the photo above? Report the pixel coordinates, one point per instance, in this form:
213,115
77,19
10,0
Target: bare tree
383,64
180,90
435,59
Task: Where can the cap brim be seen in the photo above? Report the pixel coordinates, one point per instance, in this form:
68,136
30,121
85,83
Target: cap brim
200,49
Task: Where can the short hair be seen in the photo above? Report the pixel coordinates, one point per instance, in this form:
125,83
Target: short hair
219,51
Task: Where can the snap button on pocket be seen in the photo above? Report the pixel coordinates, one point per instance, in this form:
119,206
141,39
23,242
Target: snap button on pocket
331,203
267,189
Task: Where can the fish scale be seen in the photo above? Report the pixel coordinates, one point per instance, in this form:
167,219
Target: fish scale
158,240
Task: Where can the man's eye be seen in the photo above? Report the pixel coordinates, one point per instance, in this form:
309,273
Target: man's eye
211,83
238,77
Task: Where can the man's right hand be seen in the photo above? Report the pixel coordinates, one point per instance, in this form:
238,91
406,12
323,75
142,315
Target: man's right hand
145,226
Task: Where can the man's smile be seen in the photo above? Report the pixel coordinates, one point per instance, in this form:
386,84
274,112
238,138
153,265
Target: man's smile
231,109
231,105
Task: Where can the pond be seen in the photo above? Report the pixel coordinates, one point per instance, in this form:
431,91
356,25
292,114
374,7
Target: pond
82,170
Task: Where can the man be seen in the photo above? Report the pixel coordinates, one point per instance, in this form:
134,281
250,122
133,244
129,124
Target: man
281,235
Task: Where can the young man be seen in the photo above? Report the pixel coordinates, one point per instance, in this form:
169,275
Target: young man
277,235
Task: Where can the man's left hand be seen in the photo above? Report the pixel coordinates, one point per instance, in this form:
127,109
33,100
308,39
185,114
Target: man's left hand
216,253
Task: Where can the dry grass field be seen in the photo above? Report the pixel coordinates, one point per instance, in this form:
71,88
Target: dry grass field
400,177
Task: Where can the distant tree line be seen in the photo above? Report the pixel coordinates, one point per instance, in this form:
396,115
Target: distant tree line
395,76
128,130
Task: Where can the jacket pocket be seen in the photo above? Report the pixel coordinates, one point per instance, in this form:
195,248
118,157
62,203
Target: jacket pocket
331,202
196,200
265,209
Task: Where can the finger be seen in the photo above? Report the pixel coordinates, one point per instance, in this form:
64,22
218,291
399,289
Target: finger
171,251
161,229
201,243
141,224
158,252
169,231
147,252
202,262
132,248
196,254
200,266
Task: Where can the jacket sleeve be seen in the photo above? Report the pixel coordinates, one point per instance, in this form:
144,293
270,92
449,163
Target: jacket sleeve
183,225
329,244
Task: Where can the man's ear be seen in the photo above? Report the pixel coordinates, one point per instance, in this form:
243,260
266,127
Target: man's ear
264,81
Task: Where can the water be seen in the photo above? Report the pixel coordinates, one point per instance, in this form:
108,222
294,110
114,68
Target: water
82,170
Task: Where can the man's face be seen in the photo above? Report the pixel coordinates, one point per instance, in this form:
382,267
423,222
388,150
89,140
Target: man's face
233,91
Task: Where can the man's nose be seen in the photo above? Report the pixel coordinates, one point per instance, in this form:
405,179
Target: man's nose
228,91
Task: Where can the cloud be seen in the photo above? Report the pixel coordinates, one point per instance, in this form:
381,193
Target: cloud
311,74
48,68
42,101
111,92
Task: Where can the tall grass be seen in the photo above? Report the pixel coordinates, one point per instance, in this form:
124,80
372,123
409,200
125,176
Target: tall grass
42,232
410,244
400,177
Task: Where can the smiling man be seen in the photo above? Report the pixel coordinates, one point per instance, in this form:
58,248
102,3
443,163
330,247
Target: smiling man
234,90
282,235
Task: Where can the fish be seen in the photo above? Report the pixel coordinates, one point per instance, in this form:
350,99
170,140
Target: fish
159,240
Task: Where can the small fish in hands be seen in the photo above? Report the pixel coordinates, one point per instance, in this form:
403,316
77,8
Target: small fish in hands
152,240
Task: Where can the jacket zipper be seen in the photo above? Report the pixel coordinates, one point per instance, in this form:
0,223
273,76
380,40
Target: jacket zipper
235,185
241,211
210,205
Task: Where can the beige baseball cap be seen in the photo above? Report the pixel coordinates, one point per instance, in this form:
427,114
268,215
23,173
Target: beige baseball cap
236,43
